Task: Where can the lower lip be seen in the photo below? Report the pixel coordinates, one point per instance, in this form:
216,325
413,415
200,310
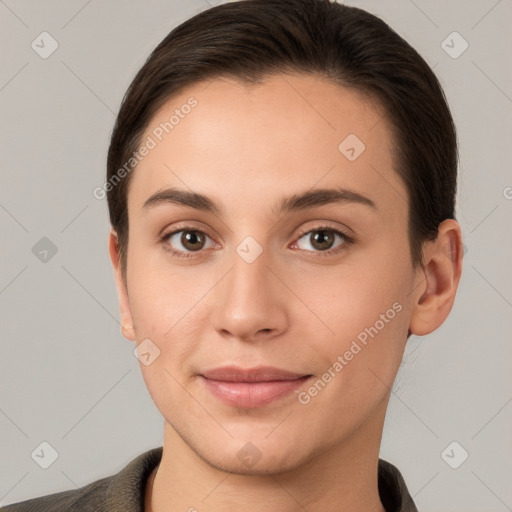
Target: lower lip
252,394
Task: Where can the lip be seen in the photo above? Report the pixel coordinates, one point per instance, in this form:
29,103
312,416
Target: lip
251,387
257,374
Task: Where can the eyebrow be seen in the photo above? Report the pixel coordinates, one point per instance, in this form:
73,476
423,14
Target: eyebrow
296,202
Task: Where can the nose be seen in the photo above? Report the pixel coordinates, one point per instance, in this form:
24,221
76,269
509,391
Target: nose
250,301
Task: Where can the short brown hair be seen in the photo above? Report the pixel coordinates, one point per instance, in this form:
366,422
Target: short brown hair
251,39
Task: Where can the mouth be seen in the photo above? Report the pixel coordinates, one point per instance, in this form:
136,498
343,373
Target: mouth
251,387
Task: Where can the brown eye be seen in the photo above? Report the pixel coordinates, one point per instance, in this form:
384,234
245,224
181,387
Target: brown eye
183,242
192,240
323,239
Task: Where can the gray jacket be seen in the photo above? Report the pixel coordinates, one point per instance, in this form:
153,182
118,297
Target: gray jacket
124,491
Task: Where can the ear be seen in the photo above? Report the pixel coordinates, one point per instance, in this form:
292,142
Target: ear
122,291
437,280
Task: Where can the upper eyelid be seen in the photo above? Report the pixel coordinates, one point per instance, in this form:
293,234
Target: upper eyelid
321,225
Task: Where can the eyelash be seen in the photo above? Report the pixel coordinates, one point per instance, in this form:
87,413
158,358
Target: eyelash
348,241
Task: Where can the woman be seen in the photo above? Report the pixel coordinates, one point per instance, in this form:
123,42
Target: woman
281,185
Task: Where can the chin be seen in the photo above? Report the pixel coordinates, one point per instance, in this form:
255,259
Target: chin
259,456
274,465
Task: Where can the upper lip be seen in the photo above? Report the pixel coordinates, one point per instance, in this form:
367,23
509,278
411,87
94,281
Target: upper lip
258,374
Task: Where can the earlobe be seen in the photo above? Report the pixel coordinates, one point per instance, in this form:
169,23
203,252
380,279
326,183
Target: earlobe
127,329
437,280
128,332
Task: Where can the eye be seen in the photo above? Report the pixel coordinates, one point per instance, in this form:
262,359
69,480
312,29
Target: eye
190,240
323,238
184,242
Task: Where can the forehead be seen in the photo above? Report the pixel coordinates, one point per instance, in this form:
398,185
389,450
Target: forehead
287,132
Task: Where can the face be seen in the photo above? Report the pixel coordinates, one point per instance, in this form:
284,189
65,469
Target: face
318,287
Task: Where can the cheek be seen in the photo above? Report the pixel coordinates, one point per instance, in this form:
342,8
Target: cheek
357,363
166,309
363,317
162,292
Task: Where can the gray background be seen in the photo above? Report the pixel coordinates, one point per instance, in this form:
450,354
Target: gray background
68,376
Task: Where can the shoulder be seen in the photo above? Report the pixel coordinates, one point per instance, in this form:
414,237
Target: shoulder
89,498
121,491
393,490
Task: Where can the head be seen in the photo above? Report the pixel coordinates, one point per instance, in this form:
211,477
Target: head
243,108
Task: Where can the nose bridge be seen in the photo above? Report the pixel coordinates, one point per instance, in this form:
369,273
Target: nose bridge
249,301
248,280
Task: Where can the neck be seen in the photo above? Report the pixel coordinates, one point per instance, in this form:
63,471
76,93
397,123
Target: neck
342,478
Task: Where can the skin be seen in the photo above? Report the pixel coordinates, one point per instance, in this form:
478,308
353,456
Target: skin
296,307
